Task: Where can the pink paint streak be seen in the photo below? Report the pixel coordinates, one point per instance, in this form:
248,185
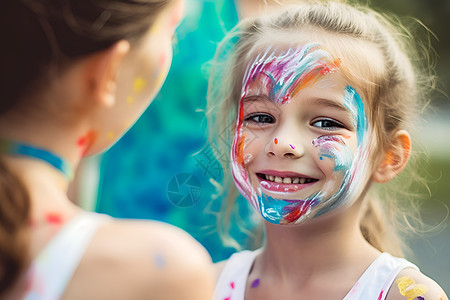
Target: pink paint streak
380,296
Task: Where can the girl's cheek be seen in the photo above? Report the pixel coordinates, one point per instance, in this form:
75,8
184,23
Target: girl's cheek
332,154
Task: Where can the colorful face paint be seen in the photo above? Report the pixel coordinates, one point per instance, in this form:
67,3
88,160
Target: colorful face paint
287,73
281,76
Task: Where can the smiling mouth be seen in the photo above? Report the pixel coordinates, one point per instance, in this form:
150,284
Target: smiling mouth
287,180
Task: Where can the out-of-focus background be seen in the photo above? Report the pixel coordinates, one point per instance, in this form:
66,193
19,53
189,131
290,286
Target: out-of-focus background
152,173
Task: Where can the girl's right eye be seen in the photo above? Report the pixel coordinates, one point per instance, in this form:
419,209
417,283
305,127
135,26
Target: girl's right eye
259,118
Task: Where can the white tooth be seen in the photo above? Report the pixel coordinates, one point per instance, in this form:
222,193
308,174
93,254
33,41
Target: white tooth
295,180
278,179
302,180
266,177
271,178
286,180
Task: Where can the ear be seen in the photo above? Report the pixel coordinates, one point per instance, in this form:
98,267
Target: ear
101,71
395,159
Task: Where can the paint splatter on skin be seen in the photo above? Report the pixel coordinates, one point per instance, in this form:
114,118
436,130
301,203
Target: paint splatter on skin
138,85
410,289
160,261
255,283
54,219
130,99
284,74
292,146
85,141
111,135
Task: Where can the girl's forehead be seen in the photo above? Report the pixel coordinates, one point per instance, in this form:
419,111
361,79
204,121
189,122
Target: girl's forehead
286,71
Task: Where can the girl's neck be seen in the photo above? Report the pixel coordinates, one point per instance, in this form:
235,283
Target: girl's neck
318,246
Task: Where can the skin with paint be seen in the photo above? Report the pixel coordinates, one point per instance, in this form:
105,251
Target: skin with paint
283,192
305,153
83,111
300,157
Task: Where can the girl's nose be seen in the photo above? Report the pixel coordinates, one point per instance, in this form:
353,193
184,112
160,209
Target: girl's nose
283,148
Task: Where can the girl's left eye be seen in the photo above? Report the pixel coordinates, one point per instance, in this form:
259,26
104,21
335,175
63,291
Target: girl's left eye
260,118
327,124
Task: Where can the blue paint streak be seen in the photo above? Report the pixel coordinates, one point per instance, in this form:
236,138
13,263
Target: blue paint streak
353,102
274,210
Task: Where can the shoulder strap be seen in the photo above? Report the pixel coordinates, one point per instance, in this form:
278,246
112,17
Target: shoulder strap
378,278
233,278
53,268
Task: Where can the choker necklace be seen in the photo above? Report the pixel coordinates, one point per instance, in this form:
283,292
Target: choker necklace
22,149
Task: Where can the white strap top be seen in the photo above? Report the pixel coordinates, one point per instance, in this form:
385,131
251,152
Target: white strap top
53,268
372,285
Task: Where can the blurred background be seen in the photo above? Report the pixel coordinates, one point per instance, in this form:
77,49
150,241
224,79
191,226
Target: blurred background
152,172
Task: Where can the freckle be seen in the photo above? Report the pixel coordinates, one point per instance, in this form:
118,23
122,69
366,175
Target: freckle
255,283
275,141
292,146
130,99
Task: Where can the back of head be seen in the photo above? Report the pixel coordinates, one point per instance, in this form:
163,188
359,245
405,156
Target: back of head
41,38
375,57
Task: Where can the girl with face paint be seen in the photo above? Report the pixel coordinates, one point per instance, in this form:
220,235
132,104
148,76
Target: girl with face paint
318,118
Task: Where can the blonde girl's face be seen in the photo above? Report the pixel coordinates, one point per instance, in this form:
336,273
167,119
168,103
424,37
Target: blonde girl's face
301,143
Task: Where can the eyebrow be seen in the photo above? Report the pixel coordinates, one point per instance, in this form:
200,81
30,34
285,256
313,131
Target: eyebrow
331,104
254,98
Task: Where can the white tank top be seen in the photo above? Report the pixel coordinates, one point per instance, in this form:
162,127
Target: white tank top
53,268
372,285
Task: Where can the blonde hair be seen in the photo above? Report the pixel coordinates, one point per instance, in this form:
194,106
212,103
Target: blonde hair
387,81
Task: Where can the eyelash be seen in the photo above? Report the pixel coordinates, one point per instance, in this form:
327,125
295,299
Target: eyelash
332,124
256,118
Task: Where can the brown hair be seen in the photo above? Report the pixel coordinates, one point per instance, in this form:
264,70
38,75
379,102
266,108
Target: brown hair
389,83
40,39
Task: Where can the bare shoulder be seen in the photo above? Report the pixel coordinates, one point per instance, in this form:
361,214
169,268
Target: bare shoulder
412,284
218,267
151,260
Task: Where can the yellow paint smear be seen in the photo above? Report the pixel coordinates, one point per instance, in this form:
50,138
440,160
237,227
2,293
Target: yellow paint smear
130,99
138,84
409,288
111,135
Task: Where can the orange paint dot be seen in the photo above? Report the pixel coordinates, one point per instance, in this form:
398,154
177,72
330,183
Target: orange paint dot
85,141
275,141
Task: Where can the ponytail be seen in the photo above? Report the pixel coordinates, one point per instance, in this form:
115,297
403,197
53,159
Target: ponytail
14,211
